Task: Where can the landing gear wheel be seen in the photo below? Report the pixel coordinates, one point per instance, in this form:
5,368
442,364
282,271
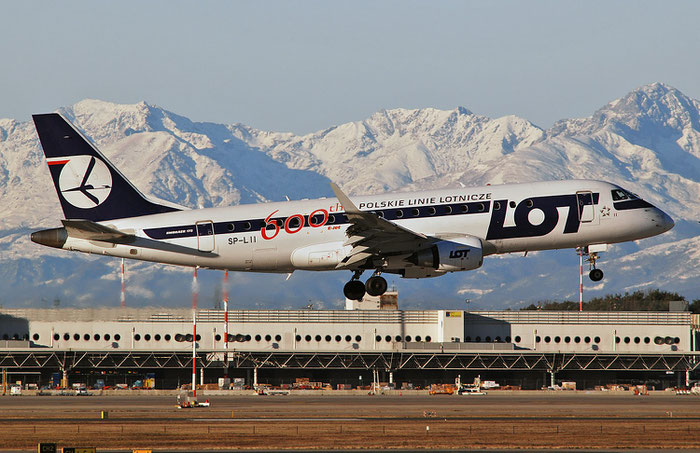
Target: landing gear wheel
354,290
376,286
596,275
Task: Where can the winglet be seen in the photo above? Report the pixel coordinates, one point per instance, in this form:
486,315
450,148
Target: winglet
348,205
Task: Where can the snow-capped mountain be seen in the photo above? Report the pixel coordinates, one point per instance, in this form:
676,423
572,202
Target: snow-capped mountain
648,141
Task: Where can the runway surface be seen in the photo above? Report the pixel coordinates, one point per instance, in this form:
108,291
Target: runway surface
499,420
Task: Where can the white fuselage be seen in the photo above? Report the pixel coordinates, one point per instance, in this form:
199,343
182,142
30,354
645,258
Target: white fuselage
310,233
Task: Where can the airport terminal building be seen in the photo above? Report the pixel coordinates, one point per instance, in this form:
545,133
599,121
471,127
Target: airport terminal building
411,348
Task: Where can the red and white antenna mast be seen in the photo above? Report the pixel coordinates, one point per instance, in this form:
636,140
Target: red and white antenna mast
226,315
195,293
123,294
580,279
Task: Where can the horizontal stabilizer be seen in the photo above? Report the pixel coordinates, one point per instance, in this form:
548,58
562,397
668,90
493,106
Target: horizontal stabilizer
92,231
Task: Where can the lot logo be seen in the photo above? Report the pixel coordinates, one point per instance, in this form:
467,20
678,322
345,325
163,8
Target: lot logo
545,216
85,182
457,254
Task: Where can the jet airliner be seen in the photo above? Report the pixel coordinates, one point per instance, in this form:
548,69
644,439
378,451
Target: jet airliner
415,235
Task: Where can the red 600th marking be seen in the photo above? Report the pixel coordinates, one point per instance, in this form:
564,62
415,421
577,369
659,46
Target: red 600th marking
272,225
322,222
263,230
294,229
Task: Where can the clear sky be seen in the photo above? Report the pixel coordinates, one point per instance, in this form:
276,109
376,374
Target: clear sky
303,66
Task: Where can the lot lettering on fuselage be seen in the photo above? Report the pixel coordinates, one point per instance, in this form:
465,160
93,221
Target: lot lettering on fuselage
548,205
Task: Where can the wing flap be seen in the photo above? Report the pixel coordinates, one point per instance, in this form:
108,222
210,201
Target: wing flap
372,235
357,258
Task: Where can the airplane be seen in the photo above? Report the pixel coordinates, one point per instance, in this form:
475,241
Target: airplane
411,234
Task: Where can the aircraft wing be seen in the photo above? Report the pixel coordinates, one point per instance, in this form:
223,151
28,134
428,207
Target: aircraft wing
93,231
371,235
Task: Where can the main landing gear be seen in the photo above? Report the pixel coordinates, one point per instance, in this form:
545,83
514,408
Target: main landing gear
355,290
595,274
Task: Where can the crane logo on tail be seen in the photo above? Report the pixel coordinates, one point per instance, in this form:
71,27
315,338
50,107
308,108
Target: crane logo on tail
85,182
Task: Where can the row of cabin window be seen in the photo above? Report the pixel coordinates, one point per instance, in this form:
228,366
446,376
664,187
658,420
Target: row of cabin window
398,213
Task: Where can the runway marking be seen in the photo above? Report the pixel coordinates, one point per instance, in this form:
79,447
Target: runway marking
307,419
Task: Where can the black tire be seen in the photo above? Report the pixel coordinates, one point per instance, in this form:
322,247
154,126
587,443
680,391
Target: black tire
596,275
376,286
354,290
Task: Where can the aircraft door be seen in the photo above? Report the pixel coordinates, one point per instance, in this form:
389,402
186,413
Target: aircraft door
586,209
205,236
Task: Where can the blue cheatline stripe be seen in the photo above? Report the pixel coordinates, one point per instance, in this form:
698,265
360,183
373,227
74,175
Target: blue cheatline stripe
248,225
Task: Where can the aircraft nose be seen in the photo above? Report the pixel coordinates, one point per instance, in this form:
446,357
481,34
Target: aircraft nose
665,222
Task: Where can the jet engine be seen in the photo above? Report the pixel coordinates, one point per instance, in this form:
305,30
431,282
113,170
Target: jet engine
456,254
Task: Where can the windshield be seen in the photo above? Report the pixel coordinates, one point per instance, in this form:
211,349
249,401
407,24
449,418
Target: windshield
620,195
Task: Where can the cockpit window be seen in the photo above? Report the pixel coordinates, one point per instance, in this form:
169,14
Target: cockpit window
619,195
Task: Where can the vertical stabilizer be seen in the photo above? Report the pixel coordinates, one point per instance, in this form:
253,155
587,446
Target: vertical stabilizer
88,185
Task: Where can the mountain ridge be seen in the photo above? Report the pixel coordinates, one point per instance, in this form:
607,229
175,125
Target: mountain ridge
648,141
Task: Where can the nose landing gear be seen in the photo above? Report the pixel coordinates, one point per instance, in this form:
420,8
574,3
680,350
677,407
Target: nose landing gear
595,274
376,285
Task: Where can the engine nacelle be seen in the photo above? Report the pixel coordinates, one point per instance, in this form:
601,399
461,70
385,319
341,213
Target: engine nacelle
457,254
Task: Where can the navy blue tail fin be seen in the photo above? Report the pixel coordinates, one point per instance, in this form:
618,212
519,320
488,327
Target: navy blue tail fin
88,185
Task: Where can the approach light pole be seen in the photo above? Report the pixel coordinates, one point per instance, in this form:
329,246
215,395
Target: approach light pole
580,279
226,319
195,292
